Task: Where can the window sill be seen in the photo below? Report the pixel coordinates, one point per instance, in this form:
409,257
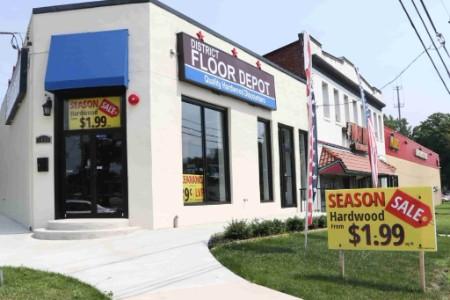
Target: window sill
266,201
206,203
289,206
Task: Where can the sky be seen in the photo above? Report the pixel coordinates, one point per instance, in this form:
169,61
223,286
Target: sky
375,35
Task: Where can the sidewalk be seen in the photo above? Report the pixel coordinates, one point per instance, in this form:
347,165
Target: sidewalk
147,264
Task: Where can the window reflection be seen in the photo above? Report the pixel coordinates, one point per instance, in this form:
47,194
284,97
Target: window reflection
204,154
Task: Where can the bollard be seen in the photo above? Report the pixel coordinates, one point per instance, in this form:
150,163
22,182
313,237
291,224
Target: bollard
175,222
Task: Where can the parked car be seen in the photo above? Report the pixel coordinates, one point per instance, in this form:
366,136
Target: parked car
446,197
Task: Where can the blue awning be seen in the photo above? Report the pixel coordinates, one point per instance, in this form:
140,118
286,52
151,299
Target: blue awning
83,60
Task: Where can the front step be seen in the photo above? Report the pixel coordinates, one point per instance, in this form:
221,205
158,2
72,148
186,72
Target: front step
82,229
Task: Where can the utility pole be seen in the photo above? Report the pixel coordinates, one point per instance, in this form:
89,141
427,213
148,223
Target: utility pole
399,105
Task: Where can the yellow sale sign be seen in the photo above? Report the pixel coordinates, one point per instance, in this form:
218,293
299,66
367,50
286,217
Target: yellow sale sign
93,113
381,219
192,188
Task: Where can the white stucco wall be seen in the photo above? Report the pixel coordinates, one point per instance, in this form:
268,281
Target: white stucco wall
154,144
15,163
135,18
166,91
329,130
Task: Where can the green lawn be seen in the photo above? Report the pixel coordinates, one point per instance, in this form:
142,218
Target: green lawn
443,218
24,283
281,263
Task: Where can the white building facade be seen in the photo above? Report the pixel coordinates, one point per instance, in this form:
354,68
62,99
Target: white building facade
340,118
149,116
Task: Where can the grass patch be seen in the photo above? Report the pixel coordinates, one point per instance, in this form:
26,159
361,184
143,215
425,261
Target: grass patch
443,218
23,283
281,263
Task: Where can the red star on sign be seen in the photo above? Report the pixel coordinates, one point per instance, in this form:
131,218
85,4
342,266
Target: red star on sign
200,36
258,64
234,52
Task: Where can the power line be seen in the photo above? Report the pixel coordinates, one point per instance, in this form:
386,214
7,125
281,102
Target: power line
431,38
439,35
405,69
423,45
446,10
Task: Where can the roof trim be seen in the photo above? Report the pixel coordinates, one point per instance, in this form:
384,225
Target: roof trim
328,70
84,5
94,4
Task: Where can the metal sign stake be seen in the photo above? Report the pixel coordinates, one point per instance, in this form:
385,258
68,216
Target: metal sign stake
422,270
342,263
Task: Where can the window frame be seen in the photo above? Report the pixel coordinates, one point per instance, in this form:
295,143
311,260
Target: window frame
337,106
293,167
326,101
268,128
224,111
303,189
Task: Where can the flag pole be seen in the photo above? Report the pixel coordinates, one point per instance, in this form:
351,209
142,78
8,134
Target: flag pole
312,136
372,143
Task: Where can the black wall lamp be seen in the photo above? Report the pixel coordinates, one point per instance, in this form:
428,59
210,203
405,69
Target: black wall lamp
47,107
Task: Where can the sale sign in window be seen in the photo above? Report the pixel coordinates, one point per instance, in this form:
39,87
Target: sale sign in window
93,113
192,188
381,219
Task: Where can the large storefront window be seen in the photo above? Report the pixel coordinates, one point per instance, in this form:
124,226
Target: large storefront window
205,156
265,161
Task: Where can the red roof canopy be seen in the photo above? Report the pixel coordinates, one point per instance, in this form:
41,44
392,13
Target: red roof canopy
334,161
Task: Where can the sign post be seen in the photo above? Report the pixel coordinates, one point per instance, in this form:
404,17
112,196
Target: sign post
422,270
397,219
342,263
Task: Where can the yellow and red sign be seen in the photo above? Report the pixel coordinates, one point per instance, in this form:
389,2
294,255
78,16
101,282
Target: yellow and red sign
192,188
381,219
93,113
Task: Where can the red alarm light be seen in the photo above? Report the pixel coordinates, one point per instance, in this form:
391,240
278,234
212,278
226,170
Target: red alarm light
133,99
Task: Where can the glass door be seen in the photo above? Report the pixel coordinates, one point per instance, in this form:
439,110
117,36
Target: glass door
92,164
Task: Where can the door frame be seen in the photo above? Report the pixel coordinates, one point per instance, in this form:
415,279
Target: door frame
59,155
293,167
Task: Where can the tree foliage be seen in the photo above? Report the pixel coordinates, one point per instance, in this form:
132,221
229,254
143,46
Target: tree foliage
401,126
434,133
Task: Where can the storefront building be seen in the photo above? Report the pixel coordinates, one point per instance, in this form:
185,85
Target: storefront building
343,140
128,109
415,164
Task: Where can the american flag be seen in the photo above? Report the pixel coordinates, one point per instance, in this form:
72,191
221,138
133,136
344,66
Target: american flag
312,130
373,154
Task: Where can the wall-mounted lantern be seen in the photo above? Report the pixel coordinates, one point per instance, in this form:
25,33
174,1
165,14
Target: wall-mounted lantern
47,107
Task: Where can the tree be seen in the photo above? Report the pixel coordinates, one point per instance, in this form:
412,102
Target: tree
401,126
434,133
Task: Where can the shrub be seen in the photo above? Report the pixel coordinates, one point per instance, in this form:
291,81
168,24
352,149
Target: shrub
277,226
295,224
216,239
322,222
262,228
255,228
315,223
237,230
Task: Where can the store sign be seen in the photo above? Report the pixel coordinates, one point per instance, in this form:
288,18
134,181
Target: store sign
400,219
421,154
17,86
394,143
93,113
192,188
204,65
